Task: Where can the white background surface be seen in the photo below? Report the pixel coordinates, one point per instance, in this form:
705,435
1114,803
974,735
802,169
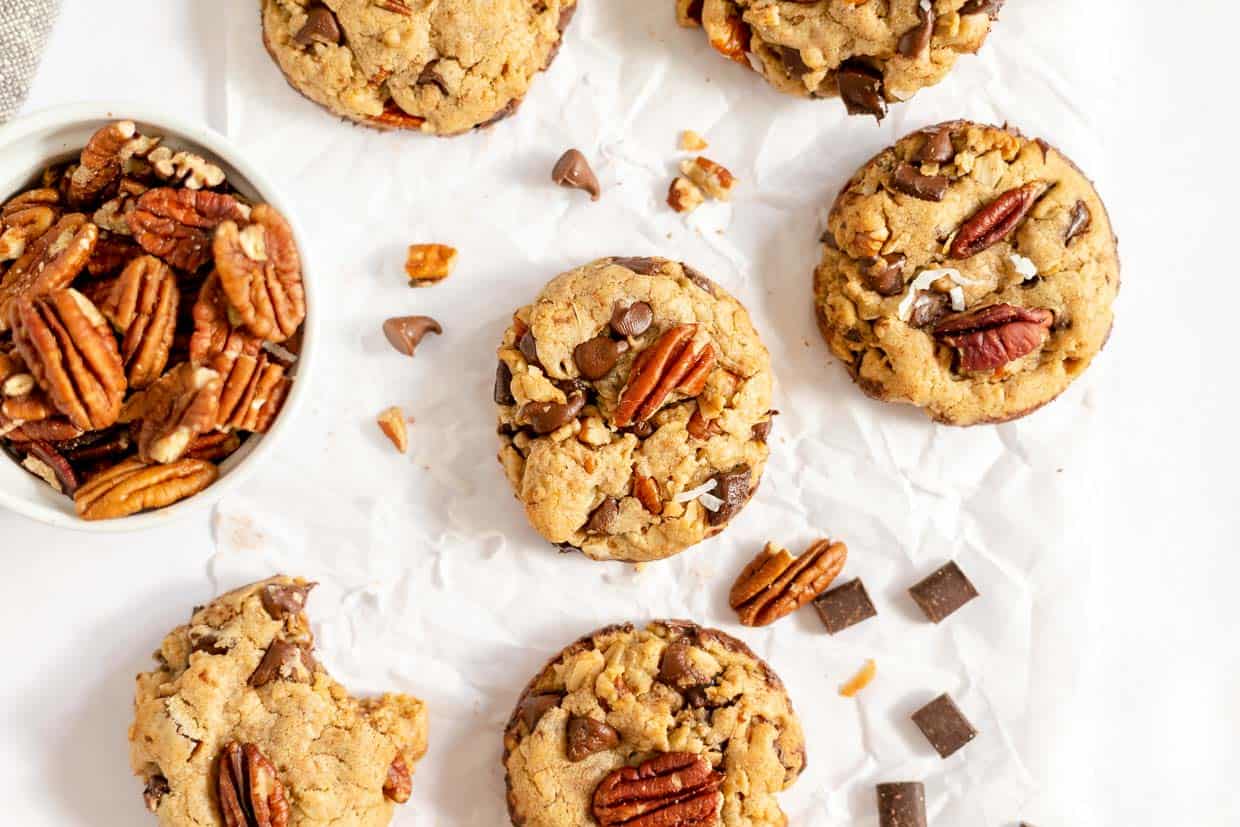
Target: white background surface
1101,664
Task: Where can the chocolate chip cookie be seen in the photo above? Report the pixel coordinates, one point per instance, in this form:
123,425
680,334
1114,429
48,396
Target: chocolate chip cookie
443,67
239,725
968,270
634,408
868,52
671,724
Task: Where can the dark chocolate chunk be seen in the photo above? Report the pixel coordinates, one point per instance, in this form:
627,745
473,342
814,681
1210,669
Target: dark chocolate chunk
320,27
794,65
901,804
586,736
677,669
699,279
503,385
596,357
884,274
938,147
861,87
1078,223
508,111
762,430
545,417
156,788
573,171
405,332
928,308
988,7
944,726
284,661
604,517
943,592
733,488
631,320
528,347
281,600
845,605
916,41
533,707
429,76
910,181
642,265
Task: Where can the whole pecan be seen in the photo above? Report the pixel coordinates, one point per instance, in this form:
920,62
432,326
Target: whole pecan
673,789
993,222
72,355
399,783
174,410
134,486
249,792
49,263
142,305
260,271
775,583
100,163
992,336
213,332
176,224
25,217
112,252
253,391
676,362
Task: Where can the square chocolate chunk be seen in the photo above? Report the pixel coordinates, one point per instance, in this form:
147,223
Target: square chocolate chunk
943,592
944,726
901,804
844,606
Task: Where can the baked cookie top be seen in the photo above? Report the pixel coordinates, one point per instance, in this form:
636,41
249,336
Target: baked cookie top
634,406
867,51
239,705
674,721
443,67
968,270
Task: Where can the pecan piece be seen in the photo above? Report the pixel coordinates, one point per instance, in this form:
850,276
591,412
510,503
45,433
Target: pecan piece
427,264
179,406
189,170
673,789
646,490
249,792
990,337
260,271
46,462
113,215
213,332
399,783
674,363
51,262
733,39
176,224
100,163
142,305
775,583
253,391
995,221
392,423
25,217
72,355
134,486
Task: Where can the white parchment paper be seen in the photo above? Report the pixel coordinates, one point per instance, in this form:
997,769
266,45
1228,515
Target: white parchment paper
431,580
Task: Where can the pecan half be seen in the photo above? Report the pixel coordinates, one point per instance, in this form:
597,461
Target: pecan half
142,305
25,217
52,466
100,163
111,254
993,222
260,271
253,391
213,332
673,789
215,446
72,355
179,406
992,336
674,363
49,263
775,583
249,792
399,783
176,224
134,486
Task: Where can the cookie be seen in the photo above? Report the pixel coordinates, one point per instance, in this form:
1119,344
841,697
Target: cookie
968,270
682,724
444,67
239,715
634,407
868,52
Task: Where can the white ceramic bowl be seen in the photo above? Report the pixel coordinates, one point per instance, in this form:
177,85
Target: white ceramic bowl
30,144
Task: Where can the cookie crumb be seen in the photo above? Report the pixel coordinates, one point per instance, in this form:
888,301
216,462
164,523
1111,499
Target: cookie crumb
691,141
859,681
684,196
428,264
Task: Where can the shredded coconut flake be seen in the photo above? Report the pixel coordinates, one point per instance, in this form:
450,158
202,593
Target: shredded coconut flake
710,502
693,493
922,281
1025,268
957,294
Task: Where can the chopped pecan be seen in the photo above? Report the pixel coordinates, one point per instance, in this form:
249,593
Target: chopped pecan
775,583
587,736
100,162
995,221
49,263
45,461
676,363
72,355
428,264
284,661
732,39
398,785
260,271
646,490
992,336
393,117
142,305
253,392
249,792
699,427
176,224
134,486
392,423
174,410
213,332
25,217
683,195
672,789
113,215
185,168
712,178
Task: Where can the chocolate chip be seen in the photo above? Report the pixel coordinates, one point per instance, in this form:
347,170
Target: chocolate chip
943,592
845,605
603,518
928,307
320,27
696,698
429,76
573,171
206,642
533,707
642,429
938,147
156,788
1078,223
405,332
733,488
528,347
631,320
677,669
910,181
901,804
988,7
699,279
596,357
944,725
587,736
284,661
281,600
761,430
545,417
861,87
884,274
503,385
794,65
566,548
641,265
916,41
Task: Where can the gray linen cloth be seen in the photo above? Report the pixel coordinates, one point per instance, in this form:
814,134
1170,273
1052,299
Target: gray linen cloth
24,27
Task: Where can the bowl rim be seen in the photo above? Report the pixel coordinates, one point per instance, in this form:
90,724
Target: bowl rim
68,115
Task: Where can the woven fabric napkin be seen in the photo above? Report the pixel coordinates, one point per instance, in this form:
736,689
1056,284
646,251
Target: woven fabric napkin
24,27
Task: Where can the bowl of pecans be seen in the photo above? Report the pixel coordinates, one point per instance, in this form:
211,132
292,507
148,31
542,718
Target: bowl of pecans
155,333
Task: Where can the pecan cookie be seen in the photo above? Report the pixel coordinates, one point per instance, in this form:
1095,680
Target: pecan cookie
967,270
867,52
634,406
240,726
671,724
443,67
